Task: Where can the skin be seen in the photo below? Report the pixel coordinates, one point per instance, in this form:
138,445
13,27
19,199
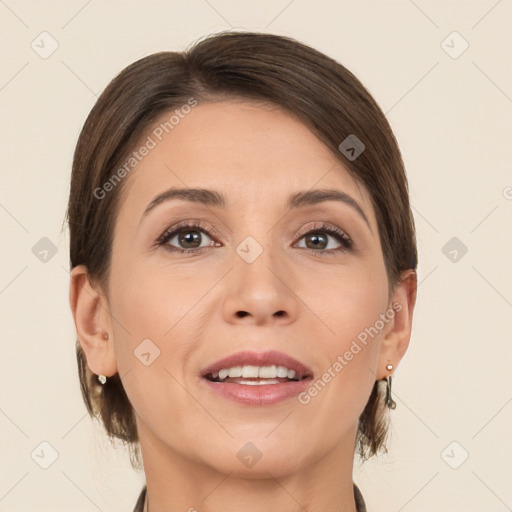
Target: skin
187,304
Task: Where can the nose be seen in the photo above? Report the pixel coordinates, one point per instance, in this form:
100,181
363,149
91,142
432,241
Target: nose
260,292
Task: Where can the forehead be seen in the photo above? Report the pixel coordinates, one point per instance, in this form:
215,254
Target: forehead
254,152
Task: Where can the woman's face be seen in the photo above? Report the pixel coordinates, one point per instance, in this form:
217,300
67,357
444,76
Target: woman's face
253,280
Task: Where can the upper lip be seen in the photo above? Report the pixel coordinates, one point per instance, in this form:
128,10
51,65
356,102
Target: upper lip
268,358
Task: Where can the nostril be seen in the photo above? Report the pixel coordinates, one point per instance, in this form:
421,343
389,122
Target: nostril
241,314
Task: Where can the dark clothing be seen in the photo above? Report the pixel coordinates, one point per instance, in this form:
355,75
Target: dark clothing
360,505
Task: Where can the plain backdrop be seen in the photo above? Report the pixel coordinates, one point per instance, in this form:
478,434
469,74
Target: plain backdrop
441,73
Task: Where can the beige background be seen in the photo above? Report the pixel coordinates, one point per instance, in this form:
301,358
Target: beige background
452,117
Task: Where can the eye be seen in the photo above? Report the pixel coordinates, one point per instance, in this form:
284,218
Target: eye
318,240
188,236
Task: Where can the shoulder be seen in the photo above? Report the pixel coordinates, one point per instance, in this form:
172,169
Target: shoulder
360,504
139,506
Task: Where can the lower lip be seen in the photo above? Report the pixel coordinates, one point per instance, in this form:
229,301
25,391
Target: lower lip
264,394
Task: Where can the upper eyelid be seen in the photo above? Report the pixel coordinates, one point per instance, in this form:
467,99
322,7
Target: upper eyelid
191,224
319,225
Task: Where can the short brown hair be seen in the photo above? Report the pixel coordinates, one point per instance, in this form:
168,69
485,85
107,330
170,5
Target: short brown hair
325,95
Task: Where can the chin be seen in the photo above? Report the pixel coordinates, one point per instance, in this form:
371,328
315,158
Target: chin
261,458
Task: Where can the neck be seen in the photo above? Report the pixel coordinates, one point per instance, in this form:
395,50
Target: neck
177,483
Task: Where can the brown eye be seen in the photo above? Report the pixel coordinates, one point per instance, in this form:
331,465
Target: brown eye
187,239
318,240
190,237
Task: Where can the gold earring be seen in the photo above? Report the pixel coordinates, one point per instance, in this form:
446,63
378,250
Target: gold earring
102,378
389,400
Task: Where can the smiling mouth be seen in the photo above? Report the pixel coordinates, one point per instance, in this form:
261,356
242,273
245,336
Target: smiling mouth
250,368
257,386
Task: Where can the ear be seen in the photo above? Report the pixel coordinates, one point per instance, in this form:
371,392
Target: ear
93,323
396,340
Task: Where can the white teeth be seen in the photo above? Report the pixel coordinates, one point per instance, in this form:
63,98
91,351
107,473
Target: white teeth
236,371
282,372
248,371
267,372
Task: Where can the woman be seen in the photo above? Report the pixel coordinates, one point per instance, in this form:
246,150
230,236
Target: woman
243,274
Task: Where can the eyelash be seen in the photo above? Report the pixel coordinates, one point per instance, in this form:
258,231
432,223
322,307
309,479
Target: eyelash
337,233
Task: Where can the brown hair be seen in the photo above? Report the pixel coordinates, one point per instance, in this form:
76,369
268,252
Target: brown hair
325,95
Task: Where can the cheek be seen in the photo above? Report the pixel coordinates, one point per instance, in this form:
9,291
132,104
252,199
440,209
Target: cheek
149,317
348,313
160,304
151,299
346,302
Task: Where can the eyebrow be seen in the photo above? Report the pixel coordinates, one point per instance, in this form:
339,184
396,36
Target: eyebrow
217,199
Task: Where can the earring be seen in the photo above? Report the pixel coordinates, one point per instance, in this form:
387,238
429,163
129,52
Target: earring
389,400
102,378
